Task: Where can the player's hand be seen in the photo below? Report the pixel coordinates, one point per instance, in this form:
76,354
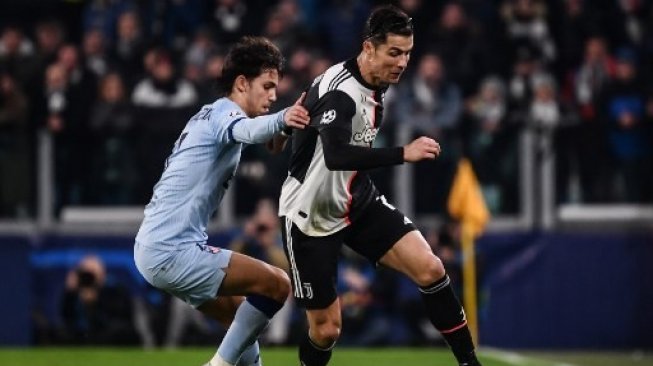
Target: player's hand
297,116
420,149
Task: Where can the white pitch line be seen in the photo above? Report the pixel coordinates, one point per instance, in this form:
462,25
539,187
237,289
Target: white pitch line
516,359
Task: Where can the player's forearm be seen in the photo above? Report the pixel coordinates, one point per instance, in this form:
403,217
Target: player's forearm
258,130
350,157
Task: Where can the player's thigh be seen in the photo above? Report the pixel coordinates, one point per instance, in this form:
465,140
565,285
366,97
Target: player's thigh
246,275
222,309
379,227
194,273
313,265
413,256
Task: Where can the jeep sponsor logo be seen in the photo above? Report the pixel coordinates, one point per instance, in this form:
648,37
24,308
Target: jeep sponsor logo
367,135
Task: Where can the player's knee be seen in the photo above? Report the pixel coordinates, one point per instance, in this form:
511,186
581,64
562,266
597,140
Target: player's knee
326,334
431,272
282,285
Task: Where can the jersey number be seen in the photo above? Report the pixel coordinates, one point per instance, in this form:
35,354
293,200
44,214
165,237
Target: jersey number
176,147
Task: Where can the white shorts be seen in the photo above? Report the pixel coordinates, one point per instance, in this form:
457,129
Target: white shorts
192,272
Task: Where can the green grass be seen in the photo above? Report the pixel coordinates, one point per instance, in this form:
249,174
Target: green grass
288,357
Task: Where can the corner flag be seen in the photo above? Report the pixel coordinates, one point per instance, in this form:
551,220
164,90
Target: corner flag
466,204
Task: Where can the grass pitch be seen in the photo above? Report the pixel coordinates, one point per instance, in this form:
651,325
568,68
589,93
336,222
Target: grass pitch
288,357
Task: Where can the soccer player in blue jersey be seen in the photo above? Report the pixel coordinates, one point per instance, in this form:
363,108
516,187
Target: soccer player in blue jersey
171,249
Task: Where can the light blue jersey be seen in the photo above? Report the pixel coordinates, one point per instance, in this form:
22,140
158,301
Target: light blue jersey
204,159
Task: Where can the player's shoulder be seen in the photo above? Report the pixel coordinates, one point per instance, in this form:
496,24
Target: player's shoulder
334,78
224,111
215,118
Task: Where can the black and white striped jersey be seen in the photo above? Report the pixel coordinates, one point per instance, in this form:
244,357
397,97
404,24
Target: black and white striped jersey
327,187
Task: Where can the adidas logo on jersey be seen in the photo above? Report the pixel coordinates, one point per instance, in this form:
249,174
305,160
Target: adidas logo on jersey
328,117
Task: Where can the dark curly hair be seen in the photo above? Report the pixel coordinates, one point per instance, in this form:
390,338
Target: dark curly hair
249,57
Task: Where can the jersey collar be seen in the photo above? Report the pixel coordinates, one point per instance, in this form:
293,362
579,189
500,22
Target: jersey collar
352,66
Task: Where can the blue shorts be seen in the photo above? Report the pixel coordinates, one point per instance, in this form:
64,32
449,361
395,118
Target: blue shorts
192,273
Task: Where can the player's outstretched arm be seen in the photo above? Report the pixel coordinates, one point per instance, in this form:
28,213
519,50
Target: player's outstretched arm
261,129
421,148
295,117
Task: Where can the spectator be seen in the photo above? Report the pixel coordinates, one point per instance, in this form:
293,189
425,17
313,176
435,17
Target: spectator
93,48
16,55
163,101
578,23
546,117
197,56
212,70
285,27
461,46
430,104
544,113
15,177
114,174
230,20
69,122
278,29
65,128
526,66
626,22
102,15
492,145
129,47
592,75
526,24
431,100
624,108
95,311
49,37
586,86
163,88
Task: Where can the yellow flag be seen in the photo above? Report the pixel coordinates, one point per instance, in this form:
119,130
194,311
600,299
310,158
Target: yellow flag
465,202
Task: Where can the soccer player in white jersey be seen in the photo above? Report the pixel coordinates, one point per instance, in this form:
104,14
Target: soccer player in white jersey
329,200
171,249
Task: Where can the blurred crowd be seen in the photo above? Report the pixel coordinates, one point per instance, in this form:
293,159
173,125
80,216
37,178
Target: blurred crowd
114,81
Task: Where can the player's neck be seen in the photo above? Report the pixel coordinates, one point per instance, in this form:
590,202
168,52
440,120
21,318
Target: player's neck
240,101
366,72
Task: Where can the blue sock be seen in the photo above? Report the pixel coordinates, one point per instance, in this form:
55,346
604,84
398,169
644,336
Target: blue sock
248,324
251,356
266,305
